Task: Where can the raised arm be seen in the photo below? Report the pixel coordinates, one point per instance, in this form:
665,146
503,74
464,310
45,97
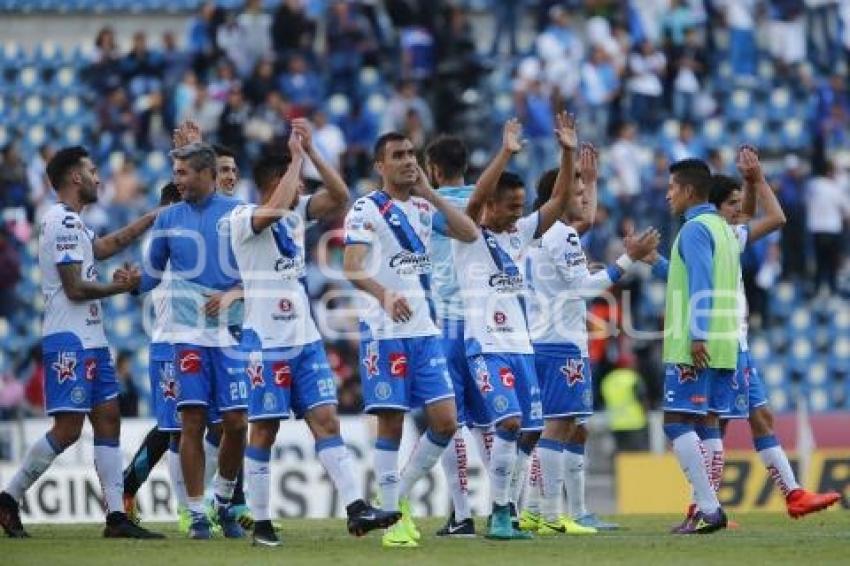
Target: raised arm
457,224
332,198
565,131
588,170
111,244
284,194
757,189
489,179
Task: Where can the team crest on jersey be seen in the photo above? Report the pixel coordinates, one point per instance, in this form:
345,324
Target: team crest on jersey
167,382
482,375
398,364
500,318
190,361
573,371
515,242
506,375
282,372
255,370
91,273
370,361
65,367
269,402
78,395
91,368
741,402
500,404
383,390
686,373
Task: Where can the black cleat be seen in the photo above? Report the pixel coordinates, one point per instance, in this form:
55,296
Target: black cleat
118,525
453,529
10,517
363,518
264,534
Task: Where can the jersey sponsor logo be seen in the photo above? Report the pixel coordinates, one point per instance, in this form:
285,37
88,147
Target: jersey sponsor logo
504,283
91,369
190,361
282,372
91,272
500,318
67,238
507,377
65,366
66,247
500,323
515,242
686,373
698,399
370,360
71,223
94,315
167,383
254,370
287,310
289,268
482,375
573,371
410,263
398,364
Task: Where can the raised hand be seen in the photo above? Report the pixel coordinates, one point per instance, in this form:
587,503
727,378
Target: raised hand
641,246
304,129
588,163
565,130
295,143
512,136
749,165
186,133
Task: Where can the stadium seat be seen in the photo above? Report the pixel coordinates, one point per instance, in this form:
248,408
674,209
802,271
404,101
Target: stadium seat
779,400
739,106
818,398
794,134
4,136
29,78
779,104
376,104
759,349
817,374
801,353
753,132
369,81
714,132
337,106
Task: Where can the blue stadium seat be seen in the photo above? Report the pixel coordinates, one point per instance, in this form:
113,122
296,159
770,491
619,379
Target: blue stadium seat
739,106
794,134
715,133
369,82
753,132
818,398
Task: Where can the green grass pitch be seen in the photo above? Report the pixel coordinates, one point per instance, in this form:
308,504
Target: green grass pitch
760,539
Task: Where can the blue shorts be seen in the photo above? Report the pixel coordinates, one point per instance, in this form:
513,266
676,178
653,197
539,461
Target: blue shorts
289,378
403,373
470,408
164,390
208,377
565,381
688,390
507,383
76,381
747,389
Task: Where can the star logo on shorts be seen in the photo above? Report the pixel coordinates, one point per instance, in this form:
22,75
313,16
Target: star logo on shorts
371,360
687,373
255,374
65,367
573,371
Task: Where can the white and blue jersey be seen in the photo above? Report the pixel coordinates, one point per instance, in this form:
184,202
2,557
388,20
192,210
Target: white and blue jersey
78,371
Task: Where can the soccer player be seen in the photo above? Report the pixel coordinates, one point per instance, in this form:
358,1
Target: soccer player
287,364
700,333
79,376
227,172
192,238
491,276
388,257
561,284
750,401
446,163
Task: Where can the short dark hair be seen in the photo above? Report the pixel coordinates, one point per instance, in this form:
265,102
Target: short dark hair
199,155
269,167
545,186
169,194
693,172
721,187
382,142
449,153
62,162
508,181
223,151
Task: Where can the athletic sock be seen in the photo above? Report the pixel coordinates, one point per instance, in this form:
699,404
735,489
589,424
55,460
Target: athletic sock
424,457
686,446
258,480
175,471
455,467
146,457
552,477
502,461
386,472
337,461
107,462
573,461
776,462
37,460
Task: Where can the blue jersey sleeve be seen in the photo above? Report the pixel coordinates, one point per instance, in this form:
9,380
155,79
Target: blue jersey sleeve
661,268
696,246
156,257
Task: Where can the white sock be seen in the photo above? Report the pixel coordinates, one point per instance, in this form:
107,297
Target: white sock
535,484
37,460
337,461
484,441
777,464
502,462
551,477
196,505
210,462
386,472
454,461
175,471
424,457
716,459
519,476
573,462
223,489
687,449
107,462
258,481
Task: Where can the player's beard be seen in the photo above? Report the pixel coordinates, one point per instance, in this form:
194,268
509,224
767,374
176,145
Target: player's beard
88,195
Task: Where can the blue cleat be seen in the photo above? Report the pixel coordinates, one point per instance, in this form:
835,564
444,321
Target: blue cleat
230,527
592,521
200,528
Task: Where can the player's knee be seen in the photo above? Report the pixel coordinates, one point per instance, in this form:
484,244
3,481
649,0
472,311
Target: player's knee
579,434
510,425
528,440
761,422
263,433
444,427
65,433
193,421
324,422
234,422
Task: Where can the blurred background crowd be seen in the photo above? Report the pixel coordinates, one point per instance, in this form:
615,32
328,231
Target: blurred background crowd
652,81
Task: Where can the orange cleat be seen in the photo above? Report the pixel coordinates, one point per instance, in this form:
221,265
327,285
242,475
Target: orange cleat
801,502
